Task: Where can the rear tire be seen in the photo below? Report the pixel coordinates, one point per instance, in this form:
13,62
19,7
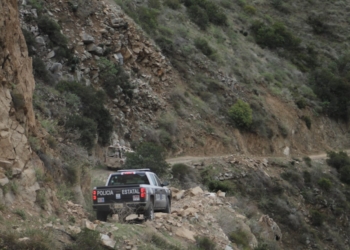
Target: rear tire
101,215
149,214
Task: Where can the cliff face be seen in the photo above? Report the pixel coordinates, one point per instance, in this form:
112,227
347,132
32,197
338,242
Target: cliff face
16,112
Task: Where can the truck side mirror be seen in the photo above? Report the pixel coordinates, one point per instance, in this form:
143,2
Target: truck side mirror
165,183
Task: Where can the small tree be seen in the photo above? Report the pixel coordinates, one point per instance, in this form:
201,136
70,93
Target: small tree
147,155
241,114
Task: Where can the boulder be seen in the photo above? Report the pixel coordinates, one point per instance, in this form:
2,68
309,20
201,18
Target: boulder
186,234
107,241
87,39
270,229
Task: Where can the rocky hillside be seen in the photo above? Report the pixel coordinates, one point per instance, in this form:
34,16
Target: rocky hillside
199,78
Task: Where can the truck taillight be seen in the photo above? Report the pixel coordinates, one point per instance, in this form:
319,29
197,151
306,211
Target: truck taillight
94,195
142,192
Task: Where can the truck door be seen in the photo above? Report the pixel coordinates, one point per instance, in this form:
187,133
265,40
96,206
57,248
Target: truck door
157,191
163,193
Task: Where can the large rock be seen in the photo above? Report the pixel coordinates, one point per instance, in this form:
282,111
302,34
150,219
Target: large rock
270,229
185,233
107,241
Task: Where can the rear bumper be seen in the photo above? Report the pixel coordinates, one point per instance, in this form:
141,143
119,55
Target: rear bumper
139,207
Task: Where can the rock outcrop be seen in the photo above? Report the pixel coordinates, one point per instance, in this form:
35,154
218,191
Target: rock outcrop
16,112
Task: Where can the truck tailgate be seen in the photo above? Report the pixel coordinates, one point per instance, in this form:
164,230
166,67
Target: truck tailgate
115,194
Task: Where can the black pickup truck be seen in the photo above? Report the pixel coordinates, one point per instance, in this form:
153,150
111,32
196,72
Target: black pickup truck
131,191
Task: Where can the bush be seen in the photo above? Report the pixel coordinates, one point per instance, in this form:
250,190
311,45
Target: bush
87,239
338,160
30,41
345,174
147,155
93,107
114,76
325,184
203,11
332,86
155,4
249,9
241,114
205,243
307,161
307,121
224,186
317,218
174,4
39,240
53,30
203,46
239,237
275,36
87,128
301,103
180,170
199,16
166,45
40,70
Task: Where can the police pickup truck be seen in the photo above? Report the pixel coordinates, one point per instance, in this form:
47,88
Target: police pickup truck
131,191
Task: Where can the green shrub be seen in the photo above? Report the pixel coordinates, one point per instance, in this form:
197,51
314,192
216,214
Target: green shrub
166,45
241,114
307,121
37,4
283,130
317,218
53,30
281,6
338,160
318,24
274,36
332,86
162,243
165,138
155,4
87,239
345,174
307,177
92,107
180,170
199,16
87,128
146,18
30,41
239,237
21,213
113,76
308,161
147,155
301,103
325,184
38,240
174,4
225,186
249,9
202,12
292,176
205,243
203,46
40,70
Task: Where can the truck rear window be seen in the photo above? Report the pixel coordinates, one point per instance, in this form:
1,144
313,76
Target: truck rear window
127,179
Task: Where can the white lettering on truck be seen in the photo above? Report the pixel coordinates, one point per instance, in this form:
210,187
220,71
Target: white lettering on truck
104,192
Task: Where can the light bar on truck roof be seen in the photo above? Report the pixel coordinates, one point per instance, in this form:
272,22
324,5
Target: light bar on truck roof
135,170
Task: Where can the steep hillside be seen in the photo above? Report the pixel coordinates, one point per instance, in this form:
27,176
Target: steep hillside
240,80
160,86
